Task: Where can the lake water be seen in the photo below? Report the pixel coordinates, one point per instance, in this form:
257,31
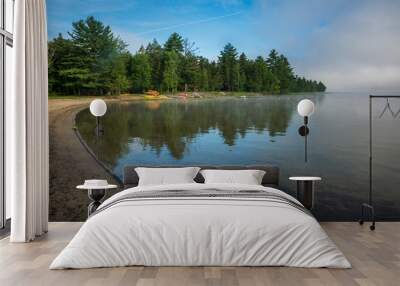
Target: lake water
263,130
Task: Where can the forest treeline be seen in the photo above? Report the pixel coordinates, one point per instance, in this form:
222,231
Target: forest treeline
92,60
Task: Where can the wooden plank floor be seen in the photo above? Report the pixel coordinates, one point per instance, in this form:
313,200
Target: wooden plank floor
375,257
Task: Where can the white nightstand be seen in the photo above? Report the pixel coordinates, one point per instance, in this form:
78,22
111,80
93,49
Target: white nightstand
96,194
305,190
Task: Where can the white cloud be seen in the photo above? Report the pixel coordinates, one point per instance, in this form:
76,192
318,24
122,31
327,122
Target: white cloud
359,50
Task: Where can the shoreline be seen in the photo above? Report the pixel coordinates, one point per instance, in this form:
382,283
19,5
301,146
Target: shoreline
66,152
190,94
167,96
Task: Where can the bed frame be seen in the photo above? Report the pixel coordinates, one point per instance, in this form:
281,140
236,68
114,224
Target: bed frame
270,179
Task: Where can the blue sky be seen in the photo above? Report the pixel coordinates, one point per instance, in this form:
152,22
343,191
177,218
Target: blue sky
324,40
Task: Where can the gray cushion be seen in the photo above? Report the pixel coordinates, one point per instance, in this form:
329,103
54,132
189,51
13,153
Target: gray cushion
271,177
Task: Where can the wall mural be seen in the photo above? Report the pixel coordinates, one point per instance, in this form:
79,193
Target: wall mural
171,101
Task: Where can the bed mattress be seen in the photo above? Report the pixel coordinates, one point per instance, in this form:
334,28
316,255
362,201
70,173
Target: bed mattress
201,225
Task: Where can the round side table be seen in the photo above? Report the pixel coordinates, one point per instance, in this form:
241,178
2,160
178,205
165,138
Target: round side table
305,190
95,194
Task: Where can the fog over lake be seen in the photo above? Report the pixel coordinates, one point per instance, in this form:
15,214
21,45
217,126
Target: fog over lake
263,130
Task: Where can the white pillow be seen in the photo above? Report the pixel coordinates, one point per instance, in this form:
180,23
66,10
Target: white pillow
165,176
248,177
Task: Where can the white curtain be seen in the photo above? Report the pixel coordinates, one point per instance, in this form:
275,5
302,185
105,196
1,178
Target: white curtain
27,148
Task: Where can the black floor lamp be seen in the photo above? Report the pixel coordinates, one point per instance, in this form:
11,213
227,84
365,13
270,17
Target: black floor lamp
369,205
305,108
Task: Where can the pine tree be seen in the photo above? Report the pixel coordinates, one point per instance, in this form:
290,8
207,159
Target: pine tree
170,73
174,43
214,78
202,75
260,72
243,72
113,78
229,68
188,69
95,61
272,61
281,70
321,86
67,72
155,55
141,72
97,47
285,74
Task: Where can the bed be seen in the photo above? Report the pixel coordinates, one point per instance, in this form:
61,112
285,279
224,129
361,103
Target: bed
198,224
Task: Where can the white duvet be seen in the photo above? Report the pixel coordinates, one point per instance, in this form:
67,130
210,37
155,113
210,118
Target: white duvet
193,231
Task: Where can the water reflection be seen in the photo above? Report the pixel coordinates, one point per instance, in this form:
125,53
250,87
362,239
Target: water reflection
261,130
175,124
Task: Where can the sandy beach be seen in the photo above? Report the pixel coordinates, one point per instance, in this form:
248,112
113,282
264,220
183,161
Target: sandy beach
70,163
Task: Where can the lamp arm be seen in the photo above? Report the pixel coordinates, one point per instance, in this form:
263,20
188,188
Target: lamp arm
305,148
305,138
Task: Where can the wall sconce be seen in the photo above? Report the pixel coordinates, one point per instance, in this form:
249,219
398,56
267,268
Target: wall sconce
305,108
98,108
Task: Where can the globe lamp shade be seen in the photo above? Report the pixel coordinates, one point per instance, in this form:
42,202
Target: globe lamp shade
98,107
305,107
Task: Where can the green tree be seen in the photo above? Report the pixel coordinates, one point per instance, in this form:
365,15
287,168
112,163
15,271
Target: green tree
95,61
170,73
260,75
282,70
174,43
188,66
243,72
229,68
214,78
202,77
141,72
97,47
95,39
117,80
321,86
272,61
155,55
67,73
58,49
285,74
